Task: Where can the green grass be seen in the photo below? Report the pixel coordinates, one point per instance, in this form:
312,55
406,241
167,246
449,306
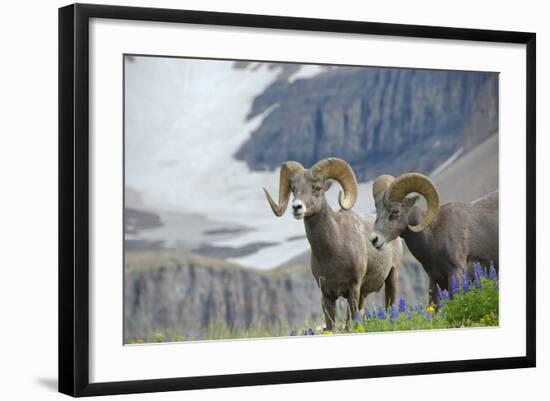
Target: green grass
472,305
139,261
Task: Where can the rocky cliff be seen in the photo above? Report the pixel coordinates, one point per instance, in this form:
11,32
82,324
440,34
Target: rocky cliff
167,290
381,120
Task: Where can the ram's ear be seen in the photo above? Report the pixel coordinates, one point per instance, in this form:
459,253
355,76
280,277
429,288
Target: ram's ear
327,184
410,200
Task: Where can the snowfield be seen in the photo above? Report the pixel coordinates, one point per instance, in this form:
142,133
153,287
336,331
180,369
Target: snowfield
185,119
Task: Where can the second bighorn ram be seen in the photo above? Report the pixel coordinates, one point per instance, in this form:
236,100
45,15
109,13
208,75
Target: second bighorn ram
343,260
446,240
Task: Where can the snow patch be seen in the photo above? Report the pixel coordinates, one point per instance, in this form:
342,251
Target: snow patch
306,71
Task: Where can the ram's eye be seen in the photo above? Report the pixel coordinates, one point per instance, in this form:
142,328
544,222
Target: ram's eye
394,214
317,188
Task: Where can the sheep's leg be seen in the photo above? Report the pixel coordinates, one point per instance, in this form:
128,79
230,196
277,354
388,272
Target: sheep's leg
391,287
362,297
348,314
329,309
353,305
434,295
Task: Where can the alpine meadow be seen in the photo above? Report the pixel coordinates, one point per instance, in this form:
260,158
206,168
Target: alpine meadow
294,200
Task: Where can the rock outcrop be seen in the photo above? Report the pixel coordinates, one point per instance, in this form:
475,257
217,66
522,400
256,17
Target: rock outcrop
167,290
380,120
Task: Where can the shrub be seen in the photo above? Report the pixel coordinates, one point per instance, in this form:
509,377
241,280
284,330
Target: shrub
477,306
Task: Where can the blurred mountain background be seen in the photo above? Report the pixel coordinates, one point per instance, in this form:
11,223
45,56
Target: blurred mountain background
203,137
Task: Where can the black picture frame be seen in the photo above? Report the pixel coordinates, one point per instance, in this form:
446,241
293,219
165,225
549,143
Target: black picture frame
74,198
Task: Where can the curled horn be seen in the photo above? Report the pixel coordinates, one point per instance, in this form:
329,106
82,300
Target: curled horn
288,170
342,172
381,184
415,182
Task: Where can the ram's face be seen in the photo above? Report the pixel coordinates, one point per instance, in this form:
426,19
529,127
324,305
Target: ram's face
392,218
308,191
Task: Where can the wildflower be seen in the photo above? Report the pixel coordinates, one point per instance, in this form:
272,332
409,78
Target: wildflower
466,281
428,316
430,309
454,286
310,332
327,332
482,271
381,313
443,295
394,314
304,332
477,283
409,314
419,309
402,303
368,313
292,333
478,272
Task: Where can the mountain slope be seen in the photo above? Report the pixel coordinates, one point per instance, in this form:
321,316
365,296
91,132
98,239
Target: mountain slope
380,120
472,176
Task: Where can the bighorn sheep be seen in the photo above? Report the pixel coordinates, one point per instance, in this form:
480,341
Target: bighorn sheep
446,240
343,261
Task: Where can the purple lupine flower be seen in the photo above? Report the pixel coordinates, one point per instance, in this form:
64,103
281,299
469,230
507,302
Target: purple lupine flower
402,303
419,309
478,272
466,281
444,295
381,313
409,314
428,316
394,313
454,286
477,282
304,332
292,333
310,332
368,313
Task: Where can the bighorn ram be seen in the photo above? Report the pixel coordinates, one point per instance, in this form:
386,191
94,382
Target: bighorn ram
446,240
343,261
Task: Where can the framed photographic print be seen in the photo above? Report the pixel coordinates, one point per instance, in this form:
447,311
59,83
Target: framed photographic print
251,199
